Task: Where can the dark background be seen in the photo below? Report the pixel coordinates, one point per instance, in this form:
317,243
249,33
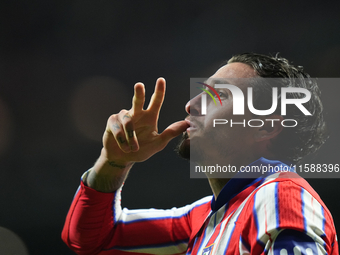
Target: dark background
65,66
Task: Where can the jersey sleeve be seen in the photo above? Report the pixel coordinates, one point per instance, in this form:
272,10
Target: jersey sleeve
282,208
96,224
290,241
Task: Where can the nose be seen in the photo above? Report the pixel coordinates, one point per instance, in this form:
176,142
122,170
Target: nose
187,107
193,107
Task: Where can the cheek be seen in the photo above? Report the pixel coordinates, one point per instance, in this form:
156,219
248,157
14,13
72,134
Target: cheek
220,112
239,131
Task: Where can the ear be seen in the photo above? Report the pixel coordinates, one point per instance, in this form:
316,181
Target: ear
271,128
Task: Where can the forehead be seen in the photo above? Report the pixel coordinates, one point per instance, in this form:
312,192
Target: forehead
235,70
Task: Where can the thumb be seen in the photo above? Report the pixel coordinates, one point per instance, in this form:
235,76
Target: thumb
172,131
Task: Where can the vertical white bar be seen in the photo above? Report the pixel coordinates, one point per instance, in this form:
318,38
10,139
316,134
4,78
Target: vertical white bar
204,104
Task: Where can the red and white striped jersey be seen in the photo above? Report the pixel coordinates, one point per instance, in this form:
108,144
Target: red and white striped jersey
275,214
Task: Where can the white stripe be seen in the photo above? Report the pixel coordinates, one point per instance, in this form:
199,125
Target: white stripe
128,216
225,234
313,214
265,206
228,230
217,240
210,230
117,209
314,219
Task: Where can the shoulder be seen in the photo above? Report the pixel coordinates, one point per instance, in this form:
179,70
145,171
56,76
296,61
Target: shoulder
203,204
291,197
286,202
291,203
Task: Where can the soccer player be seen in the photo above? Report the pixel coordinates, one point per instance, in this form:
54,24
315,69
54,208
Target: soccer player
270,213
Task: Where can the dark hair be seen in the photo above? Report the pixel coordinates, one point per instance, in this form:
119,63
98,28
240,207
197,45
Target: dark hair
310,133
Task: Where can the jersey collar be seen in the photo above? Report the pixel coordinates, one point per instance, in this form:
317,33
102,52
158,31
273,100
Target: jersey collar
243,180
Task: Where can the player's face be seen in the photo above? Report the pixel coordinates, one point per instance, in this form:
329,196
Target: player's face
223,142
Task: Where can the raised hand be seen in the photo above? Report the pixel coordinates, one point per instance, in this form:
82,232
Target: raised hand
132,136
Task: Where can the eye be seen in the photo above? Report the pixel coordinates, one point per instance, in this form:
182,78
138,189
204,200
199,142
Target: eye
222,94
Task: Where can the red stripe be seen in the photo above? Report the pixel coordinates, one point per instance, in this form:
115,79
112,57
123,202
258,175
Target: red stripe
290,206
212,90
151,232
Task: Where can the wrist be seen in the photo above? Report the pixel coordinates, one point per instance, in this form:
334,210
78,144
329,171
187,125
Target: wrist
109,167
107,175
106,159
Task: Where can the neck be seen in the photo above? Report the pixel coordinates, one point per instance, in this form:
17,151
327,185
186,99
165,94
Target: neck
217,185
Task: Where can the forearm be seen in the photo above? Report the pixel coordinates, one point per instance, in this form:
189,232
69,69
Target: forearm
91,225
107,175
89,221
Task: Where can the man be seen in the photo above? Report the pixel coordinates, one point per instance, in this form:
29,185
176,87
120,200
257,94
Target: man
273,213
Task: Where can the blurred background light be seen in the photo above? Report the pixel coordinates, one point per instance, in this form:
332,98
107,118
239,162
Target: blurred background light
11,243
94,100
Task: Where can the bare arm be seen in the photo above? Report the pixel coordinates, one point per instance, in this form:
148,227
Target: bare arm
131,136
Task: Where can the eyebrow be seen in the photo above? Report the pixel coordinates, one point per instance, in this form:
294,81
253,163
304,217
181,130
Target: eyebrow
218,81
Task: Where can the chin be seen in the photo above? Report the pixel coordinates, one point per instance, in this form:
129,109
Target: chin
183,147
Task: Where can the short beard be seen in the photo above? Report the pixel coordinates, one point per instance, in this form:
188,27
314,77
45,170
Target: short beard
182,150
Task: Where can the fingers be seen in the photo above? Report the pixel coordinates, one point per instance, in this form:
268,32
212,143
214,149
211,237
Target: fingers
122,128
138,98
127,123
157,97
122,125
172,131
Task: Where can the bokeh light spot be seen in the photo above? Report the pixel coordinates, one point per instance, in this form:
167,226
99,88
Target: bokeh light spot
94,100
